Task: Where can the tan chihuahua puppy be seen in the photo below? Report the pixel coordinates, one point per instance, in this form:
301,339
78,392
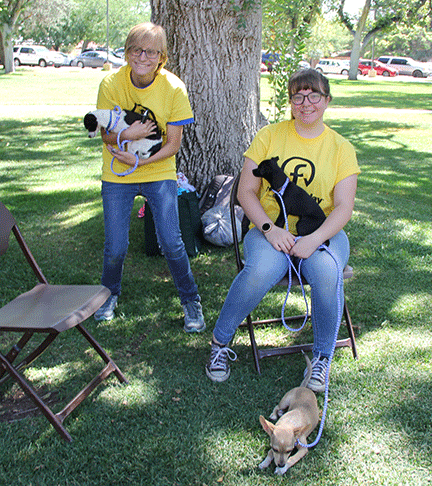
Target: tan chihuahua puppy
298,422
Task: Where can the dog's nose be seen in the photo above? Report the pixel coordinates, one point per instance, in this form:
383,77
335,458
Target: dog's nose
281,465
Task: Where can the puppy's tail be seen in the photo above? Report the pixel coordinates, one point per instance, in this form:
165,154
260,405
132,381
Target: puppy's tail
306,379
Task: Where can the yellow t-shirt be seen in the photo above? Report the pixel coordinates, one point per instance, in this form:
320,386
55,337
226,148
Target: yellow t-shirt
316,165
166,97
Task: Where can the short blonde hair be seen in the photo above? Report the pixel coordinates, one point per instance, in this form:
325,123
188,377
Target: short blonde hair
146,33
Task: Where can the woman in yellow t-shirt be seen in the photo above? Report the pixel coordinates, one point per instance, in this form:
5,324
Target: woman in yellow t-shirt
144,82
323,163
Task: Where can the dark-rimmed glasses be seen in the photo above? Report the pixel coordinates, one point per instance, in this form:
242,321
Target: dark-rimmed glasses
149,53
313,98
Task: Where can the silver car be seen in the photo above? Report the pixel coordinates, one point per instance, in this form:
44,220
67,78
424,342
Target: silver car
96,59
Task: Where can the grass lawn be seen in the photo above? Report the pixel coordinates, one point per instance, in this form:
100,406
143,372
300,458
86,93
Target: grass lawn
171,425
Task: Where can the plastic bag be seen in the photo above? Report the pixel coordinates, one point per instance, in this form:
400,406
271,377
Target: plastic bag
217,226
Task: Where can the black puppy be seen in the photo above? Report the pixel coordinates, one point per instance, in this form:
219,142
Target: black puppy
296,200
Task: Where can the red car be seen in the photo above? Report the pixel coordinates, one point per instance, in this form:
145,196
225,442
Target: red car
380,68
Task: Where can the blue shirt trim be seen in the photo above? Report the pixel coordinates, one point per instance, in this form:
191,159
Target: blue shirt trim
182,122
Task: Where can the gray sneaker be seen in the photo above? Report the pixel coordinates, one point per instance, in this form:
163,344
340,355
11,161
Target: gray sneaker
318,377
218,368
194,319
106,311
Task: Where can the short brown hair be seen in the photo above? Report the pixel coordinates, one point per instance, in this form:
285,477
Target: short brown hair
309,79
144,33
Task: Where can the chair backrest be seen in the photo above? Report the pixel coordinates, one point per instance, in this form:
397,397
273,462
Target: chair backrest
7,222
8,225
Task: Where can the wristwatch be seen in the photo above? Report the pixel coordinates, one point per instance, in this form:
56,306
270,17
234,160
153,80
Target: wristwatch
266,227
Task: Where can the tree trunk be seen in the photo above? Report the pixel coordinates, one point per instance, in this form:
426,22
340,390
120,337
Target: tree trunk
7,47
356,49
216,51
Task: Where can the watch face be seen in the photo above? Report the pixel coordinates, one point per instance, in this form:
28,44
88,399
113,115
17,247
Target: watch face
266,227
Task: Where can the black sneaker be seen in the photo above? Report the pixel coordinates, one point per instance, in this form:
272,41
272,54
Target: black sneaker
318,377
218,368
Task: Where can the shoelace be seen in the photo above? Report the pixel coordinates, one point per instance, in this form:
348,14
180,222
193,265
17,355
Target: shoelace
191,309
221,355
319,369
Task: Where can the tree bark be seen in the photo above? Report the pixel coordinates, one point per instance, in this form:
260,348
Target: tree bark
216,51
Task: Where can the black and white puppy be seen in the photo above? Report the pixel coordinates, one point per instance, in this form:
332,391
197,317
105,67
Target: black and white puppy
117,120
296,200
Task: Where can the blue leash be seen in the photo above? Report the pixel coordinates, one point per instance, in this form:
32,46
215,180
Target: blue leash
339,284
117,112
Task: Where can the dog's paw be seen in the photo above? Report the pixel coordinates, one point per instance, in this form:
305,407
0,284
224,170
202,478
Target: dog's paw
281,470
264,464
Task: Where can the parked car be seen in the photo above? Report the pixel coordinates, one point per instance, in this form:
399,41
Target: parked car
406,65
333,66
120,52
269,58
66,59
96,59
36,56
366,65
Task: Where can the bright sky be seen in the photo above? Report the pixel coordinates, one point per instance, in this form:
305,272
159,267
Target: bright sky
353,6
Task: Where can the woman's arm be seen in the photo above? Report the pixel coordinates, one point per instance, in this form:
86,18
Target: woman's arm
170,148
247,195
344,196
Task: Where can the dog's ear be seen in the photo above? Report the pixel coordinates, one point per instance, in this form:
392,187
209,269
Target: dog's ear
298,431
266,425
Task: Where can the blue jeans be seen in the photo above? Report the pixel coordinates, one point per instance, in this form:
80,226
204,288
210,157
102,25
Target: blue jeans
162,197
265,267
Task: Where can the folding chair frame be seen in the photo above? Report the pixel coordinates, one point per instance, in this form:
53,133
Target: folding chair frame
9,370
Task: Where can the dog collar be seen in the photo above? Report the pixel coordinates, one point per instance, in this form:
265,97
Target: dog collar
282,190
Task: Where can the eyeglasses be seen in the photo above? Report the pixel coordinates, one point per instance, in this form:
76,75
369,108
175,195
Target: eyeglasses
313,98
149,53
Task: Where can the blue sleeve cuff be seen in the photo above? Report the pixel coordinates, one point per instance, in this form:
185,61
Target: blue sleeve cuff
182,122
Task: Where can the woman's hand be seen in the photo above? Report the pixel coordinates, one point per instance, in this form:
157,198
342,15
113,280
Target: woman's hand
139,130
122,156
280,239
305,246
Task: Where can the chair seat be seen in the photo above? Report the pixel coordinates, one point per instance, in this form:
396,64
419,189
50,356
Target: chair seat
52,308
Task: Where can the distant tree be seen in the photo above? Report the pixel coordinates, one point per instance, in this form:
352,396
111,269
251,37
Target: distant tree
64,23
387,15
328,37
10,11
415,42
214,46
287,26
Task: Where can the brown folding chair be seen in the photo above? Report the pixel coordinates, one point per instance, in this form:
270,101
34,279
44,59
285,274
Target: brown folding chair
258,353
48,310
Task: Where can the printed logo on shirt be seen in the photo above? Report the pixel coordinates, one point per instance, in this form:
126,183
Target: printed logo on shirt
299,168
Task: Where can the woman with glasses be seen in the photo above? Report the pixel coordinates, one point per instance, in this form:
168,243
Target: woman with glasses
323,163
144,84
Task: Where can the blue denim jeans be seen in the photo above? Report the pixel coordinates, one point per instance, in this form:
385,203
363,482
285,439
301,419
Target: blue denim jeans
265,267
163,200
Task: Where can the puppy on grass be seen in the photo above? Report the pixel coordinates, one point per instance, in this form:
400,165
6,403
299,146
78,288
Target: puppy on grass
297,423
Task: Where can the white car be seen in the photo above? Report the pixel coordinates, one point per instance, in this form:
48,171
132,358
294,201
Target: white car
333,66
406,65
36,56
